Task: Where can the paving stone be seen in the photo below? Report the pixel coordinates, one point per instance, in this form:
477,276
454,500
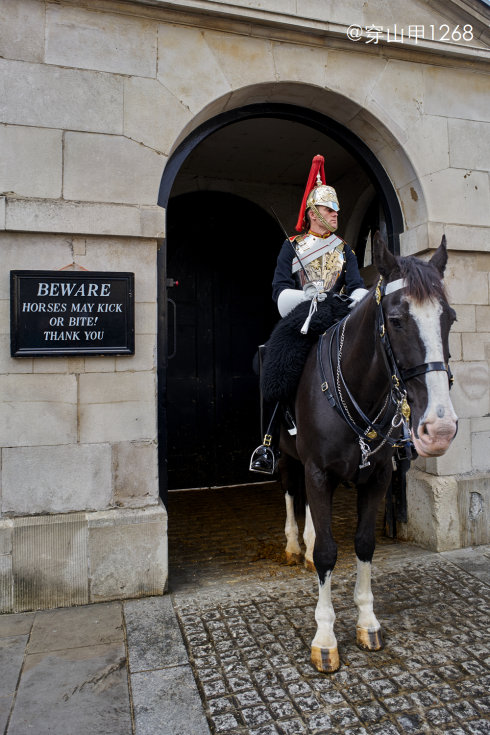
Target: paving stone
86,685
73,627
167,702
154,638
11,658
5,705
17,624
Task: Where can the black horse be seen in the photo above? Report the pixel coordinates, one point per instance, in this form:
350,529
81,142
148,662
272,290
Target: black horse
377,382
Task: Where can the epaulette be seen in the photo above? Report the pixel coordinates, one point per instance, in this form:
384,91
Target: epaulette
298,238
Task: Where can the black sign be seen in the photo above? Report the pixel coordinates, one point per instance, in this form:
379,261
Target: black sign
71,313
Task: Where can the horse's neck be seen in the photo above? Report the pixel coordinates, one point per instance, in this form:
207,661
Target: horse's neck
363,365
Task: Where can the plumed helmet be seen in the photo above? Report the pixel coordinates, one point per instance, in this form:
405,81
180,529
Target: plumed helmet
324,195
316,192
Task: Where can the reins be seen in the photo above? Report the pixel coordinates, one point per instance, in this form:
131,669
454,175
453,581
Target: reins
397,395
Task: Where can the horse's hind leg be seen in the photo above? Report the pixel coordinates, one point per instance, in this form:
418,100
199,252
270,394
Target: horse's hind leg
288,476
368,630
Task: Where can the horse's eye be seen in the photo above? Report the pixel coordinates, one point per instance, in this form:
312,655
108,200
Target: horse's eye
396,322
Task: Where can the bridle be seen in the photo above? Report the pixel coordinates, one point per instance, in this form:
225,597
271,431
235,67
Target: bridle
395,412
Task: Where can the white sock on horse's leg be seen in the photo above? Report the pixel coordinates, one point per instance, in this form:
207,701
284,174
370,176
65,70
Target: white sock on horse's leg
324,652
293,549
309,539
368,628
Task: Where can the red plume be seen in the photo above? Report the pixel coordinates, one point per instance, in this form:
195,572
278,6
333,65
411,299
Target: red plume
317,166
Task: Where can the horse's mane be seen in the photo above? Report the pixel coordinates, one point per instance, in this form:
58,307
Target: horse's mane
422,278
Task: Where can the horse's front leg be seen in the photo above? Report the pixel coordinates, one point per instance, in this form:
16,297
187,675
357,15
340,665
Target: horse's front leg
324,651
368,630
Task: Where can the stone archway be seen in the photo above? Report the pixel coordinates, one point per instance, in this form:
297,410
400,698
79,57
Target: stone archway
366,162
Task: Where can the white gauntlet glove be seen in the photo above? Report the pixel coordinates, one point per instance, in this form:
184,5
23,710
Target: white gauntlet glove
356,296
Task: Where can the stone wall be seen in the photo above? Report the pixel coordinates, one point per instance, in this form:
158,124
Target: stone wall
93,101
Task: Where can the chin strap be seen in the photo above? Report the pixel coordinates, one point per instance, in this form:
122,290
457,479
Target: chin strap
322,219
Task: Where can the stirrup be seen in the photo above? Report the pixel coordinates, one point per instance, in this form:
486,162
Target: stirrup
263,460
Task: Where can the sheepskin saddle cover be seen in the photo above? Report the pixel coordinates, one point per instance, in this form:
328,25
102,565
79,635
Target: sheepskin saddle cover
287,348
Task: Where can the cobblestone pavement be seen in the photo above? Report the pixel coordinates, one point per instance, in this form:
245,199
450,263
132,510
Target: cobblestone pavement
248,620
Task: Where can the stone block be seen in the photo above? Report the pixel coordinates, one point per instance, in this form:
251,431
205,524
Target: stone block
480,451
480,423
457,458
52,365
31,161
470,393
25,251
117,407
122,255
127,553
196,80
6,530
466,318
455,346
297,63
10,364
125,387
469,144
145,318
483,318
2,213
476,345
57,216
399,92
117,422
433,519
152,114
22,30
102,364
470,189
135,471
465,237
469,92
49,96
413,203
111,42
428,145
464,282
56,479
244,60
474,508
38,410
6,583
96,169
144,357
49,561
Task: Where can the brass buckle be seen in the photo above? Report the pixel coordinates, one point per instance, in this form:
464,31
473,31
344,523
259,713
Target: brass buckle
267,440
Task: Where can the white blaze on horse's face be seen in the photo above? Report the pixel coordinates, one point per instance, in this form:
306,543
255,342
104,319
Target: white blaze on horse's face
437,426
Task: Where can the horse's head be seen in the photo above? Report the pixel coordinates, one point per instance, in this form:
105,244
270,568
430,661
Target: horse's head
418,319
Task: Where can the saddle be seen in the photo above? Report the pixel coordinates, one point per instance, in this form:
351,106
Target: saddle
286,349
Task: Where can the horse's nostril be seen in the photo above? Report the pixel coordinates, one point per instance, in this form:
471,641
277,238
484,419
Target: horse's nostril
425,430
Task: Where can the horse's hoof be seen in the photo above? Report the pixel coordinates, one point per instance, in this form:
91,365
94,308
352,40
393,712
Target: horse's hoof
293,558
325,660
309,565
369,640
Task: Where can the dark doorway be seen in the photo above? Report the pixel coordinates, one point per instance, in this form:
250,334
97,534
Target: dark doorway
222,250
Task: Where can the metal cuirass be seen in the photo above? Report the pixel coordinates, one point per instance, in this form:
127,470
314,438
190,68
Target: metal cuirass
322,258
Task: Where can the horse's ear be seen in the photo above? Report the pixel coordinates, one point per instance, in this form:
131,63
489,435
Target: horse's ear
439,259
384,261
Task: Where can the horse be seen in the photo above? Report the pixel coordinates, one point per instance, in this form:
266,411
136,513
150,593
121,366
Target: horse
376,383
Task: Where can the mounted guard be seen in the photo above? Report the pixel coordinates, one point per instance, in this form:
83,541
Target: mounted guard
309,267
